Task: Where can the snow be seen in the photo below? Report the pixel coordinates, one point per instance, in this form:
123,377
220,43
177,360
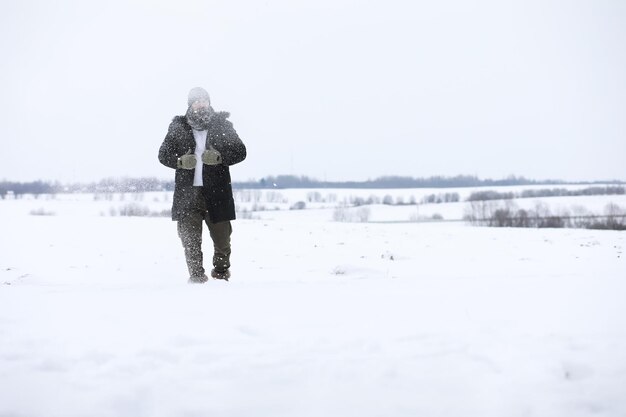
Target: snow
320,317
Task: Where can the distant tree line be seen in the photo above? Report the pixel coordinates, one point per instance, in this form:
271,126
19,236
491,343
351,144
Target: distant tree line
459,181
126,184
108,185
19,188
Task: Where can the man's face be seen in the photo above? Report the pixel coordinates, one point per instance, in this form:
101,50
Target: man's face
199,105
200,113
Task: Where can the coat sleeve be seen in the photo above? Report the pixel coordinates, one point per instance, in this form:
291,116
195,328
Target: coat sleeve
230,145
168,154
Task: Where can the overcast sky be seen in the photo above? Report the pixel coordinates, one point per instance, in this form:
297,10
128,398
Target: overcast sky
332,89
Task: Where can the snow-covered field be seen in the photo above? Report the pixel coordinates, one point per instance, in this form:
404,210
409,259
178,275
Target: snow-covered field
321,318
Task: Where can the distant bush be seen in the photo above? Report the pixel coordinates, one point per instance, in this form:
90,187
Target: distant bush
42,212
300,205
247,196
247,214
441,198
340,214
314,197
417,218
344,214
138,210
134,210
274,197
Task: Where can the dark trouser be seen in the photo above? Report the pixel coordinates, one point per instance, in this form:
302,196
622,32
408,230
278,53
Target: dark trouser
190,233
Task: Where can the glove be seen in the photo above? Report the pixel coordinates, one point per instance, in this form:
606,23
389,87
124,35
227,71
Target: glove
187,161
211,157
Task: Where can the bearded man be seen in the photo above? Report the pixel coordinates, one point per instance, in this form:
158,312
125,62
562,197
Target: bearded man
200,146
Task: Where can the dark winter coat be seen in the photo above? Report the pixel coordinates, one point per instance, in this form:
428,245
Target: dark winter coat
217,187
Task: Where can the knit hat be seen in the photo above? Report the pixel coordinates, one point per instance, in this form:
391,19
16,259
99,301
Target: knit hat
197,93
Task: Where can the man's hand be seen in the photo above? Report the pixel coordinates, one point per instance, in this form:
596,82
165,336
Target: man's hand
187,161
211,157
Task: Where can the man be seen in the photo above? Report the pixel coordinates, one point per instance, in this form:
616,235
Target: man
200,146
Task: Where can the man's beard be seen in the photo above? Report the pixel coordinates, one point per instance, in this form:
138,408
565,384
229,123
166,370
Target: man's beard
199,119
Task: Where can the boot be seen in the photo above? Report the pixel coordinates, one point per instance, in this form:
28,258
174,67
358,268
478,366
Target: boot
225,274
198,280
